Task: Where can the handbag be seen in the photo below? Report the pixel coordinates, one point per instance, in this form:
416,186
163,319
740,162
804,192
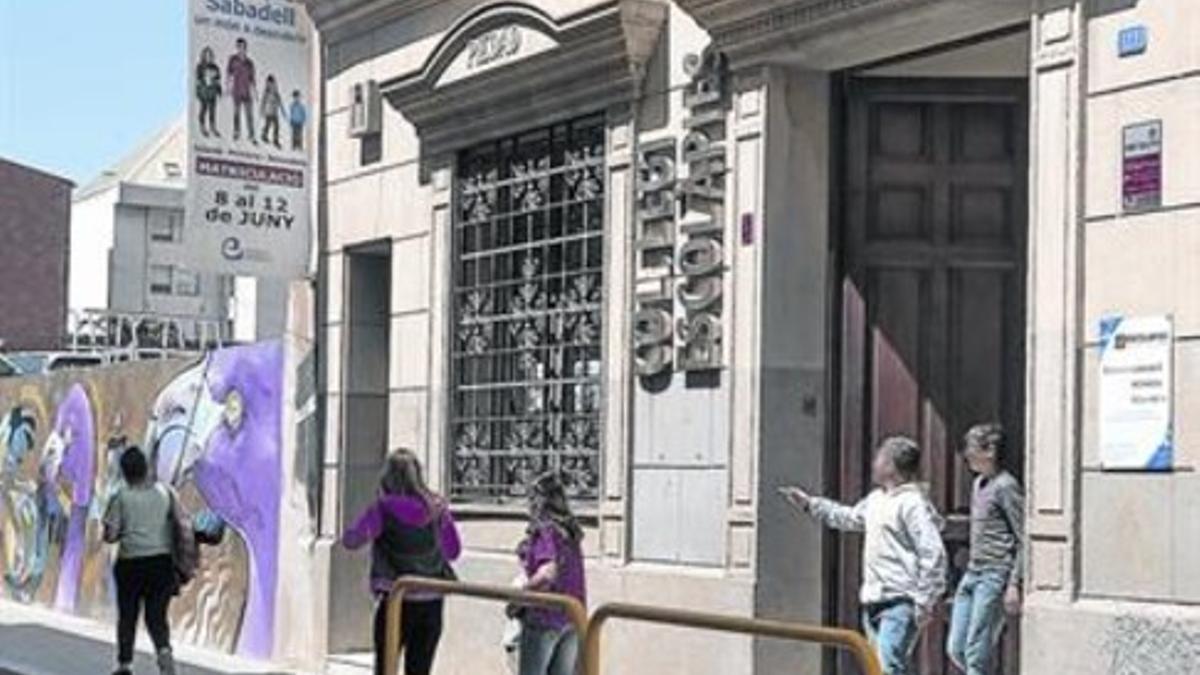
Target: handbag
209,528
185,555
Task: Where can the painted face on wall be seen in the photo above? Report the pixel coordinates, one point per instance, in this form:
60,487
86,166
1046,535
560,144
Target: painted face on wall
24,518
16,439
233,455
184,417
68,472
69,457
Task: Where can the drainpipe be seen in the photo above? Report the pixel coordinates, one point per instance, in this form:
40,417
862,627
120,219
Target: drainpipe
321,291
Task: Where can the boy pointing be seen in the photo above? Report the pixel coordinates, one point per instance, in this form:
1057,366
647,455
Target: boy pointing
904,559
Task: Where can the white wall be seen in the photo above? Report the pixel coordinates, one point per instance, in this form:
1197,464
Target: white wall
92,222
1113,557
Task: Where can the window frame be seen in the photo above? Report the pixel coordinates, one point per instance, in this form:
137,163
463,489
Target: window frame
498,496
154,286
174,229
178,274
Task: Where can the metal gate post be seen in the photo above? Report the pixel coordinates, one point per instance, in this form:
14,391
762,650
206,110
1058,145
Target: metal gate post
568,605
848,640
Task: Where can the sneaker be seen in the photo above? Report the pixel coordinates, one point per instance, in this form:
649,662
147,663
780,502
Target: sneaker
166,662
122,670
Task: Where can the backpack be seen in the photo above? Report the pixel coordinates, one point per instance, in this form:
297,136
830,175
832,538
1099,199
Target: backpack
185,554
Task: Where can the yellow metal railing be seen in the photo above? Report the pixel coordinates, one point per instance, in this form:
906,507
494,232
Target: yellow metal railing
590,631
848,640
570,606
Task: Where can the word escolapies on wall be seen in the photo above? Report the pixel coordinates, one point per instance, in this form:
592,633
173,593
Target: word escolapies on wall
680,233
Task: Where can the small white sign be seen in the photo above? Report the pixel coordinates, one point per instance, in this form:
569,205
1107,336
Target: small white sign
1136,387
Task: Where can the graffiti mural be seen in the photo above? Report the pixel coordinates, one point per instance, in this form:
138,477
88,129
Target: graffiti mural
213,430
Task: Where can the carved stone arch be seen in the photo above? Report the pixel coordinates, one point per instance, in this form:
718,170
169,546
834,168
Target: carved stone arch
484,20
564,66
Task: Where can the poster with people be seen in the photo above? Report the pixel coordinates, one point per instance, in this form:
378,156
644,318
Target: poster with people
250,137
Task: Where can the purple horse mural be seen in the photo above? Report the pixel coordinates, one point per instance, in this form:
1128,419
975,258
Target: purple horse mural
218,426
68,467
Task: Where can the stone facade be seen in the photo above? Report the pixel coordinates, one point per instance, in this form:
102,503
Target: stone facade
685,512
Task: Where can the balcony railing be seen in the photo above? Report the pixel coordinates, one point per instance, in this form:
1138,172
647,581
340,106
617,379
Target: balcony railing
144,335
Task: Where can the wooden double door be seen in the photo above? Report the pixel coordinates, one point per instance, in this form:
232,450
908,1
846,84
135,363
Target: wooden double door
932,245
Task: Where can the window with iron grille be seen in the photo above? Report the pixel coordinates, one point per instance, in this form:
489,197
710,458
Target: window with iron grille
528,285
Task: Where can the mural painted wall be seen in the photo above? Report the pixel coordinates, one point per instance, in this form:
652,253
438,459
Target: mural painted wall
214,428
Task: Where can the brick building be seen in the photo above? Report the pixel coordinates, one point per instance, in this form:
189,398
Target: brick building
35,220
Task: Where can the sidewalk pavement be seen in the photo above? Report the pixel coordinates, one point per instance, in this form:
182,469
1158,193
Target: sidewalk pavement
36,641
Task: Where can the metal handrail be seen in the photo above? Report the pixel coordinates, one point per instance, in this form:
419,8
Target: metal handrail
848,640
570,606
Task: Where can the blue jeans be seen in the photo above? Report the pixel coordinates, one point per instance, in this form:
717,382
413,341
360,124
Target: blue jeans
548,651
893,631
977,621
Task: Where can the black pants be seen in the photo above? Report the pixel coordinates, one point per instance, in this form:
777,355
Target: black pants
271,130
208,114
149,582
297,136
420,631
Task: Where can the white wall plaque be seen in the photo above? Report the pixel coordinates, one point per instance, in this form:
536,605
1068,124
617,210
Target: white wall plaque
1136,401
496,48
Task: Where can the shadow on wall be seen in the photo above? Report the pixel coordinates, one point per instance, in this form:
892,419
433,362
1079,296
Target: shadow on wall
213,428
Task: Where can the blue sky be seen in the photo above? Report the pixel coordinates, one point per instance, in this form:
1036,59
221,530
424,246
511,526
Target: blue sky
83,82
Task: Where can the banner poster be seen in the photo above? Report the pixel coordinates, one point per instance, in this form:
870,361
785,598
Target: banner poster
250,137
1136,399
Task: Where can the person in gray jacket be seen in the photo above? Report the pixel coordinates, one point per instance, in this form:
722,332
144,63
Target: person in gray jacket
904,559
992,582
139,520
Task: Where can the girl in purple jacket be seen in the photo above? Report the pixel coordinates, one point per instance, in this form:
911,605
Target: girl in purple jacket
552,559
411,533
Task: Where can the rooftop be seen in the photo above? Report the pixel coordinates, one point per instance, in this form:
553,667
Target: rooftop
157,162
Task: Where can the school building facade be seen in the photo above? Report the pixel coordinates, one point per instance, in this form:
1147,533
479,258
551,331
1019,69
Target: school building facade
690,251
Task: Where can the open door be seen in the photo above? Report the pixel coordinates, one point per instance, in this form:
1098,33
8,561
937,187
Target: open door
933,317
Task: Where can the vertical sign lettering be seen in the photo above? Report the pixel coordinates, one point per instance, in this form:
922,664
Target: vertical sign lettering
688,272
653,322
701,256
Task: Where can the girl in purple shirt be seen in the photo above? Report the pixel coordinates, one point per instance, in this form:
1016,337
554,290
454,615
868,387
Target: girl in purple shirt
411,533
552,558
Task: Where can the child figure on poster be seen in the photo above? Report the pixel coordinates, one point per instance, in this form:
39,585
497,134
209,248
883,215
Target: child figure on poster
298,116
272,106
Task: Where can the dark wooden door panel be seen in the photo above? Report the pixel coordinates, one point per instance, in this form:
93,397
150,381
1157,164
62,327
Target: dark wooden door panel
933,311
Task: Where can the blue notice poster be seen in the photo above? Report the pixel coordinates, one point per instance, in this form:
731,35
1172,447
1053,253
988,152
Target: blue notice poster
1136,393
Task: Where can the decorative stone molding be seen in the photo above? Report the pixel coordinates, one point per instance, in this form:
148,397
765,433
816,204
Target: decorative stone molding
745,28
508,65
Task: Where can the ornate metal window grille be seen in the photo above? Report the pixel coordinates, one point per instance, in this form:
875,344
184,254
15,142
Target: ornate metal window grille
528,287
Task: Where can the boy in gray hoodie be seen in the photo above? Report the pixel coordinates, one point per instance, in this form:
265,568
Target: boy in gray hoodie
904,559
